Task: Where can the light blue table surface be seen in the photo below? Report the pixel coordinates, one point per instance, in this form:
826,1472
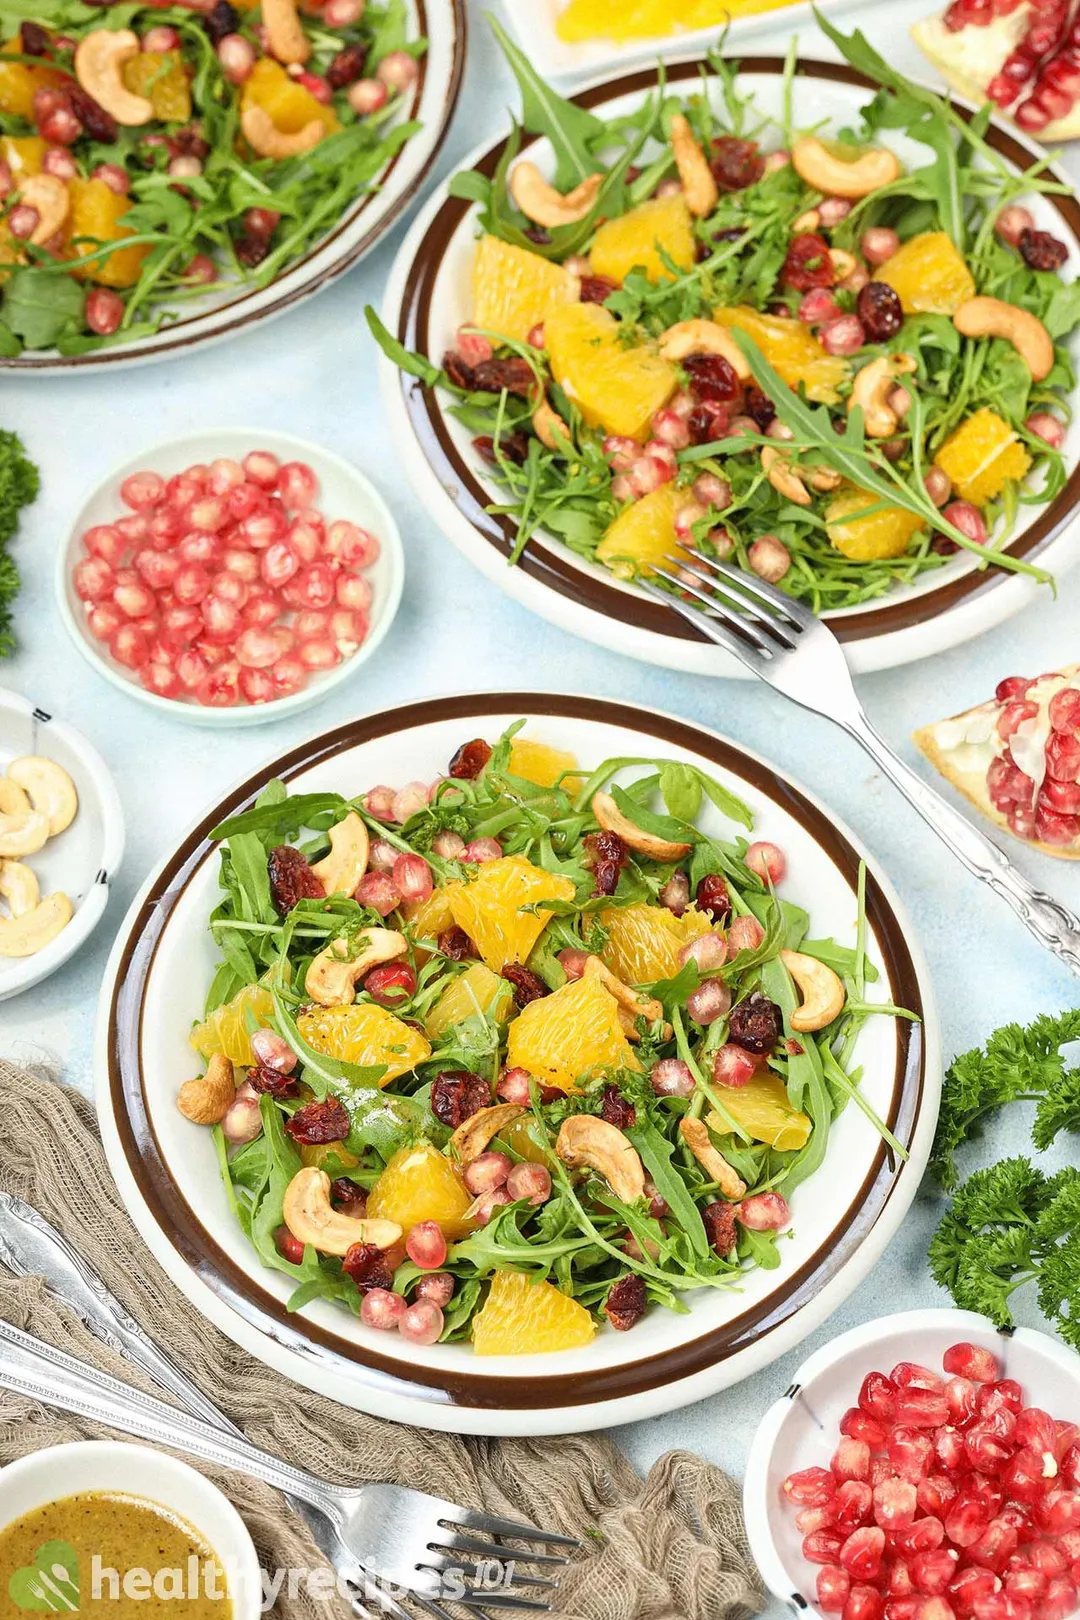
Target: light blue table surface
313,373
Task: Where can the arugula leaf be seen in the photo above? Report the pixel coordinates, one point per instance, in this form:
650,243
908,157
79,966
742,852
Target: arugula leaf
570,129
656,1155
41,308
414,365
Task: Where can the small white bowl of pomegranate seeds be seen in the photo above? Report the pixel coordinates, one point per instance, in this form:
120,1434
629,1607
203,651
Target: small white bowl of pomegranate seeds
923,1467
231,576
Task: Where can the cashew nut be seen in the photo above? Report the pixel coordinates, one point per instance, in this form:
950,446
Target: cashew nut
822,991
704,337
695,1134
13,801
586,1140
631,1002
824,479
545,206
871,389
207,1099
19,887
312,1219
332,975
99,61
991,317
550,428
341,870
843,263
472,1138
30,933
266,140
836,177
47,785
809,221
48,196
783,477
284,33
612,820
698,181
23,834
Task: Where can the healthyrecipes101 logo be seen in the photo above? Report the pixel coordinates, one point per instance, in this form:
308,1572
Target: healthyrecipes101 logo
50,1583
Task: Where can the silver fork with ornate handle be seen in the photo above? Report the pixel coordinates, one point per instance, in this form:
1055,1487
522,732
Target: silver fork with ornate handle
410,1540
789,648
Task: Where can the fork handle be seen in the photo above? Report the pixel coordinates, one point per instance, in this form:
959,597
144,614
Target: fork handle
1052,924
38,1370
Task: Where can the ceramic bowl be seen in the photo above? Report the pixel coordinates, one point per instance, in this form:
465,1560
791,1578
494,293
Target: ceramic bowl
82,861
801,1428
344,492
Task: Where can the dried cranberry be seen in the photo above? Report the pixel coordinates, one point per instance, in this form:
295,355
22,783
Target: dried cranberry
368,1267
98,124
1041,251
33,39
469,760
625,1303
605,856
291,878
513,374
347,1195
760,407
528,986
220,20
880,311
188,142
455,945
719,1219
617,1110
457,1095
755,1024
735,164
250,249
347,66
597,289
513,446
708,422
319,1122
457,372
712,896
712,377
808,264
537,234
606,877
272,1082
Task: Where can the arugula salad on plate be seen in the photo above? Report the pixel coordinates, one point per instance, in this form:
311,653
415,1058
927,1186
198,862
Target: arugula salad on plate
524,1052
805,350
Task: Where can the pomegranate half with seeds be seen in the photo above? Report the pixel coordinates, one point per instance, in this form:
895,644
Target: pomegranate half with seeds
1021,55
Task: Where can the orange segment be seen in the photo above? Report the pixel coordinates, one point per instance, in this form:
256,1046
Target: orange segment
762,1108
162,78
19,81
489,907
23,154
881,534
929,275
289,105
521,1318
615,388
536,762
644,941
429,918
419,1184
225,1030
365,1034
982,456
643,534
644,19
564,1036
639,239
319,1154
96,215
478,991
792,349
515,290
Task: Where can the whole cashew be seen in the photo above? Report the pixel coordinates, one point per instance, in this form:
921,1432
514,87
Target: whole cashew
631,1002
549,427
332,976
311,1218
806,222
991,317
586,1140
23,834
835,177
341,870
783,477
47,785
612,820
13,801
50,199
695,1133
30,933
266,140
704,337
545,206
19,887
99,60
284,32
824,479
472,1138
698,181
871,389
207,1099
822,991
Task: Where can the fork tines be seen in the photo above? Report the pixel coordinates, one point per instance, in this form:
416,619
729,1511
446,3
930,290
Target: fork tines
745,614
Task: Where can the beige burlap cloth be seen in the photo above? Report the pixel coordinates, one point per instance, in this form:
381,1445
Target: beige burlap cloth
670,1545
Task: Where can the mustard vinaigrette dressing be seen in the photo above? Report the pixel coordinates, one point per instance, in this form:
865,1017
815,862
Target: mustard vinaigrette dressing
622,20
94,1553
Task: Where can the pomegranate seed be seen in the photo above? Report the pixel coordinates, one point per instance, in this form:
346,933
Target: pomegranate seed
895,1502
1000,1606
382,1309
104,619
58,161
878,245
437,1286
744,934
1048,1558
261,467
672,1078
861,1554
851,1460
670,429
822,1546
859,1425
1064,712
924,1535
810,1487
934,1493
912,1375
487,1172
297,485
422,1323
864,1603
237,57
910,1452
93,579
932,1571
969,520
367,96
966,1520
161,679
997,1542
142,490
987,1451
833,1587
766,861
1043,425
878,1396
971,1360
921,1408
1059,1599
961,1395
377,891
482,849
220,689
426,1246
157,569
1012,222
347,543
852,1505
397,71
289,676
289,1247
305,540
229,587
191,668
318,653
134,600
1058,1512
819,307
764,1212
710,1001
529,1182
107,542
225,474
130,646
843,336
221,620
1004,1395
353,592
412,878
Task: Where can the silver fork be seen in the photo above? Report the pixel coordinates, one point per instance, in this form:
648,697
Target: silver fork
411,1541
794,652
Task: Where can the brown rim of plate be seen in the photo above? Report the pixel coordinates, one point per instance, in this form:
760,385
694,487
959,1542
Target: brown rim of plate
122,355
263,1311
549,564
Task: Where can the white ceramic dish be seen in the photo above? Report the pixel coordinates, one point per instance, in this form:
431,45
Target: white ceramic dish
167,1174
344,492
57,1472
82,861
800,1429
428,298
533,21
354,234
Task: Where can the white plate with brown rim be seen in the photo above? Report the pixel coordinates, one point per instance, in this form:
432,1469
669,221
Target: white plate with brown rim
167,1171
428,298
361,226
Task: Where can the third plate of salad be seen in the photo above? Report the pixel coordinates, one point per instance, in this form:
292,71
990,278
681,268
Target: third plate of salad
809,316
